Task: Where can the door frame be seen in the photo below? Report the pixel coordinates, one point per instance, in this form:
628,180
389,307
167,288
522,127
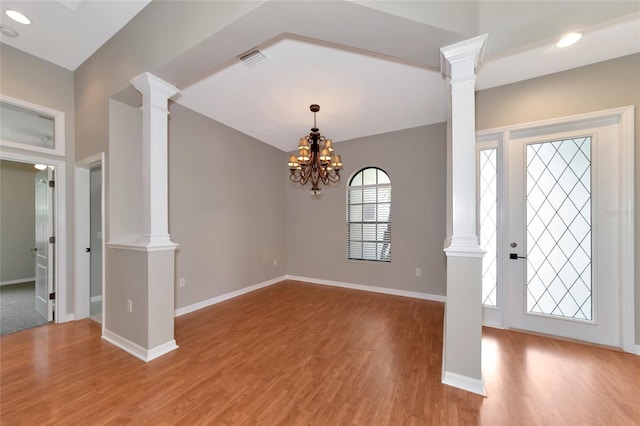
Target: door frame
59,225
45,177
83,232
625,117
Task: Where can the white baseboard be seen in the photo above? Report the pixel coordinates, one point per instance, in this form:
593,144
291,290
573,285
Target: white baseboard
231,295
69,317
97,298
374,289
136,350
493,325
226,296
637,349
22,280
468,384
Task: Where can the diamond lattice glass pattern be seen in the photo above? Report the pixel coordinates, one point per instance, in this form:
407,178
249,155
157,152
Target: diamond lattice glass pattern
488,224
559,228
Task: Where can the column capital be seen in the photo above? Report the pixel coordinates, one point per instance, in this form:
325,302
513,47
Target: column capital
468,51
146,83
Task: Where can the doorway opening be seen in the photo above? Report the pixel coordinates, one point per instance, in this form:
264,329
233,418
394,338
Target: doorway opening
559,262
27,280
33,134
90,301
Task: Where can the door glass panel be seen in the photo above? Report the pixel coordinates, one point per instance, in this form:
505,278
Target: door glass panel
559,228
488,224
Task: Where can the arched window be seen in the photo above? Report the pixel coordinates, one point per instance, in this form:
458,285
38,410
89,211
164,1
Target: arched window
369,215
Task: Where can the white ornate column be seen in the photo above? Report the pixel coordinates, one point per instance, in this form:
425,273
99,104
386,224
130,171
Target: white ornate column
140,289
461,360
155,97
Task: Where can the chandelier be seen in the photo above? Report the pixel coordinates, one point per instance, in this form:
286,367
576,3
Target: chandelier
312,163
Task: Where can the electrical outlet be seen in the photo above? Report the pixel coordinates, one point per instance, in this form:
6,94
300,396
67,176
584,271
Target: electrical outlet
418,272
129,306
275,262
182,282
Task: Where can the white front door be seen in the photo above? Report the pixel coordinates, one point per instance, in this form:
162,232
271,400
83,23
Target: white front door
556,218
561,247
44,252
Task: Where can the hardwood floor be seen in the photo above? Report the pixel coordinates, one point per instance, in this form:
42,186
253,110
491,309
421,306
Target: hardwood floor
298,354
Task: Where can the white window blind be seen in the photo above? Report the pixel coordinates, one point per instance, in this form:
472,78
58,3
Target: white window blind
369,216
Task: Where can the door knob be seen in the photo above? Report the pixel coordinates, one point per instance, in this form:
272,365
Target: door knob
515,256
34,249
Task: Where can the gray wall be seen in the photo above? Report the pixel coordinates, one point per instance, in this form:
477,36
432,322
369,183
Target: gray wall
124,185
17,221
415,160
127,281
226,207
159,33
31,79
604,85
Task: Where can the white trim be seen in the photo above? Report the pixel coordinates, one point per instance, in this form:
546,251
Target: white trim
465,383
227,296
493,324
23,280
160,350
70,317
637,349
372,289
627,263
136,350
96,298
567,123
466,248
140,246
471,49
58,128
240,292
62,283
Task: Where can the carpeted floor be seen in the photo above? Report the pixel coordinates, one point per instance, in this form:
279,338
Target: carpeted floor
17,308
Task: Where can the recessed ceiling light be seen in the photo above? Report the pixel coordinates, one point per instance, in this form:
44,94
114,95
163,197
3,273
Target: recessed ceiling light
17,16
569,39
40,166
9,32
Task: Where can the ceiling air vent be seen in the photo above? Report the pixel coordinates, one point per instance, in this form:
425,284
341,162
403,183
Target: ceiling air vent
253,58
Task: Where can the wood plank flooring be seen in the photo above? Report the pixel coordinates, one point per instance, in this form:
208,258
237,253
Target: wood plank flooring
301,354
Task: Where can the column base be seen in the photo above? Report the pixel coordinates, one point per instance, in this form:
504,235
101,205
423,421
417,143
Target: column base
468,384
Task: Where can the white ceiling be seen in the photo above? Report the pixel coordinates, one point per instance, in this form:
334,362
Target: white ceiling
299,72
67,32
360,93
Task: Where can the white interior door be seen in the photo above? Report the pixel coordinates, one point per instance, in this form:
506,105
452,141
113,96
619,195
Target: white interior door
44,252
565,280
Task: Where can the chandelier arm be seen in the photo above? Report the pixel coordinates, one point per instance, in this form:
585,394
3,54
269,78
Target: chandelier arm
304,175
294,177
334,177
